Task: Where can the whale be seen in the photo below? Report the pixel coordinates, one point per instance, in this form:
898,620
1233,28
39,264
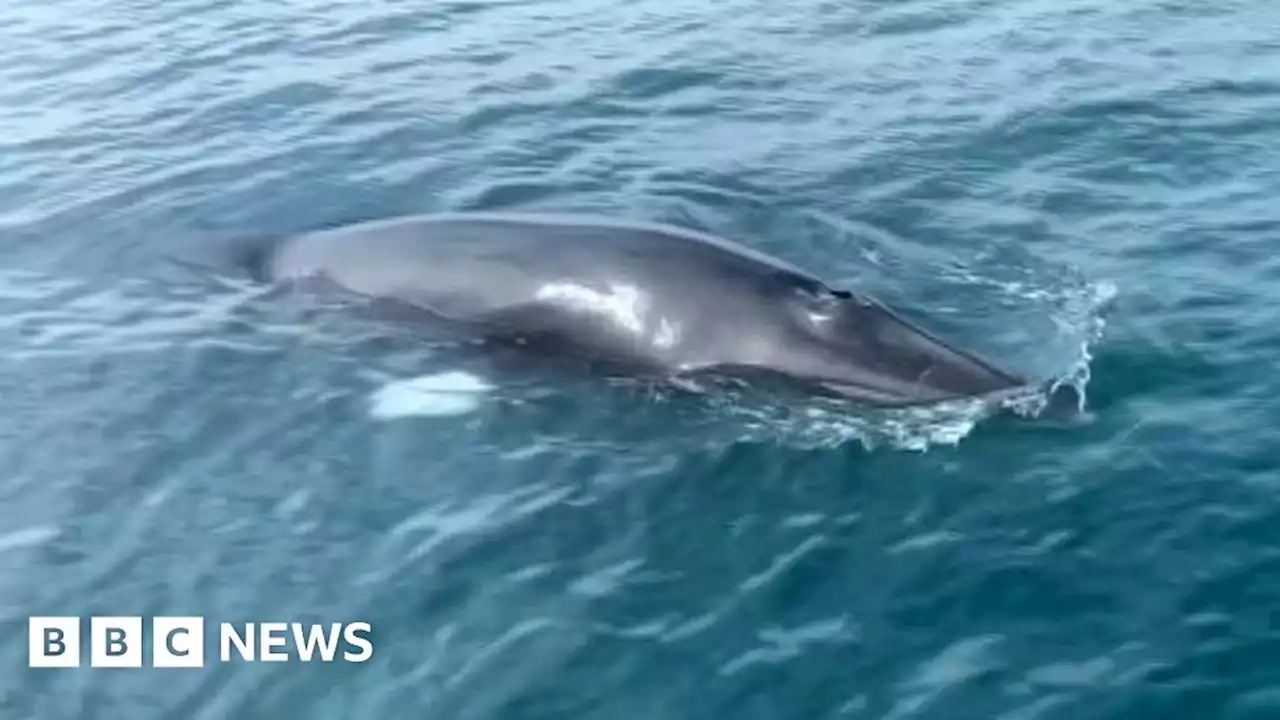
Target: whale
627,297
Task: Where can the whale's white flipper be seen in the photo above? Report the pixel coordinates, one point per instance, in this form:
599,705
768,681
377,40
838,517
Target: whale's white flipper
438,395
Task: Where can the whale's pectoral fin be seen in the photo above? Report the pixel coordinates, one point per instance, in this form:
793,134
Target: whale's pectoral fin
436,395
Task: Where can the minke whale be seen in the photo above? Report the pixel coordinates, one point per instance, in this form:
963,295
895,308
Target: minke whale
629,297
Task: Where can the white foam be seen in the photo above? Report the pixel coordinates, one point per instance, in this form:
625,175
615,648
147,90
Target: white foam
436,395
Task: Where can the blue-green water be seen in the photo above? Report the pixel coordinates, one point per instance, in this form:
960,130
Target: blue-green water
1083,188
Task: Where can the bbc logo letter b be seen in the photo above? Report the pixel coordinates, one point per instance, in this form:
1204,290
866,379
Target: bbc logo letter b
115,642
53,642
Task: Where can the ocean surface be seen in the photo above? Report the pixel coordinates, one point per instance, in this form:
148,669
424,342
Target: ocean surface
1086,190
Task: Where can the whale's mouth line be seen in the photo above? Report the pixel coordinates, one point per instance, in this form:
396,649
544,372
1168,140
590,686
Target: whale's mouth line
870,394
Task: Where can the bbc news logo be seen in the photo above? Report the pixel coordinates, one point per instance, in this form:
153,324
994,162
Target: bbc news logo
179,642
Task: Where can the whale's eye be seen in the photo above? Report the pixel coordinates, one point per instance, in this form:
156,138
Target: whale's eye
841,294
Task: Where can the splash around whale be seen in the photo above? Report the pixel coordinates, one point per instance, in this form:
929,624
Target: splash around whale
627,297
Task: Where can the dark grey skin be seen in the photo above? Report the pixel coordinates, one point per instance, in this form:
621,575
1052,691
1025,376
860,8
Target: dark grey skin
641,298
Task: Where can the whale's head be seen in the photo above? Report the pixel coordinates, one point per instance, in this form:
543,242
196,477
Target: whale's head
856,347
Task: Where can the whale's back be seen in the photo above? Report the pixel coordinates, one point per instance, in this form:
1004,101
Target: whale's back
648,294
481,263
